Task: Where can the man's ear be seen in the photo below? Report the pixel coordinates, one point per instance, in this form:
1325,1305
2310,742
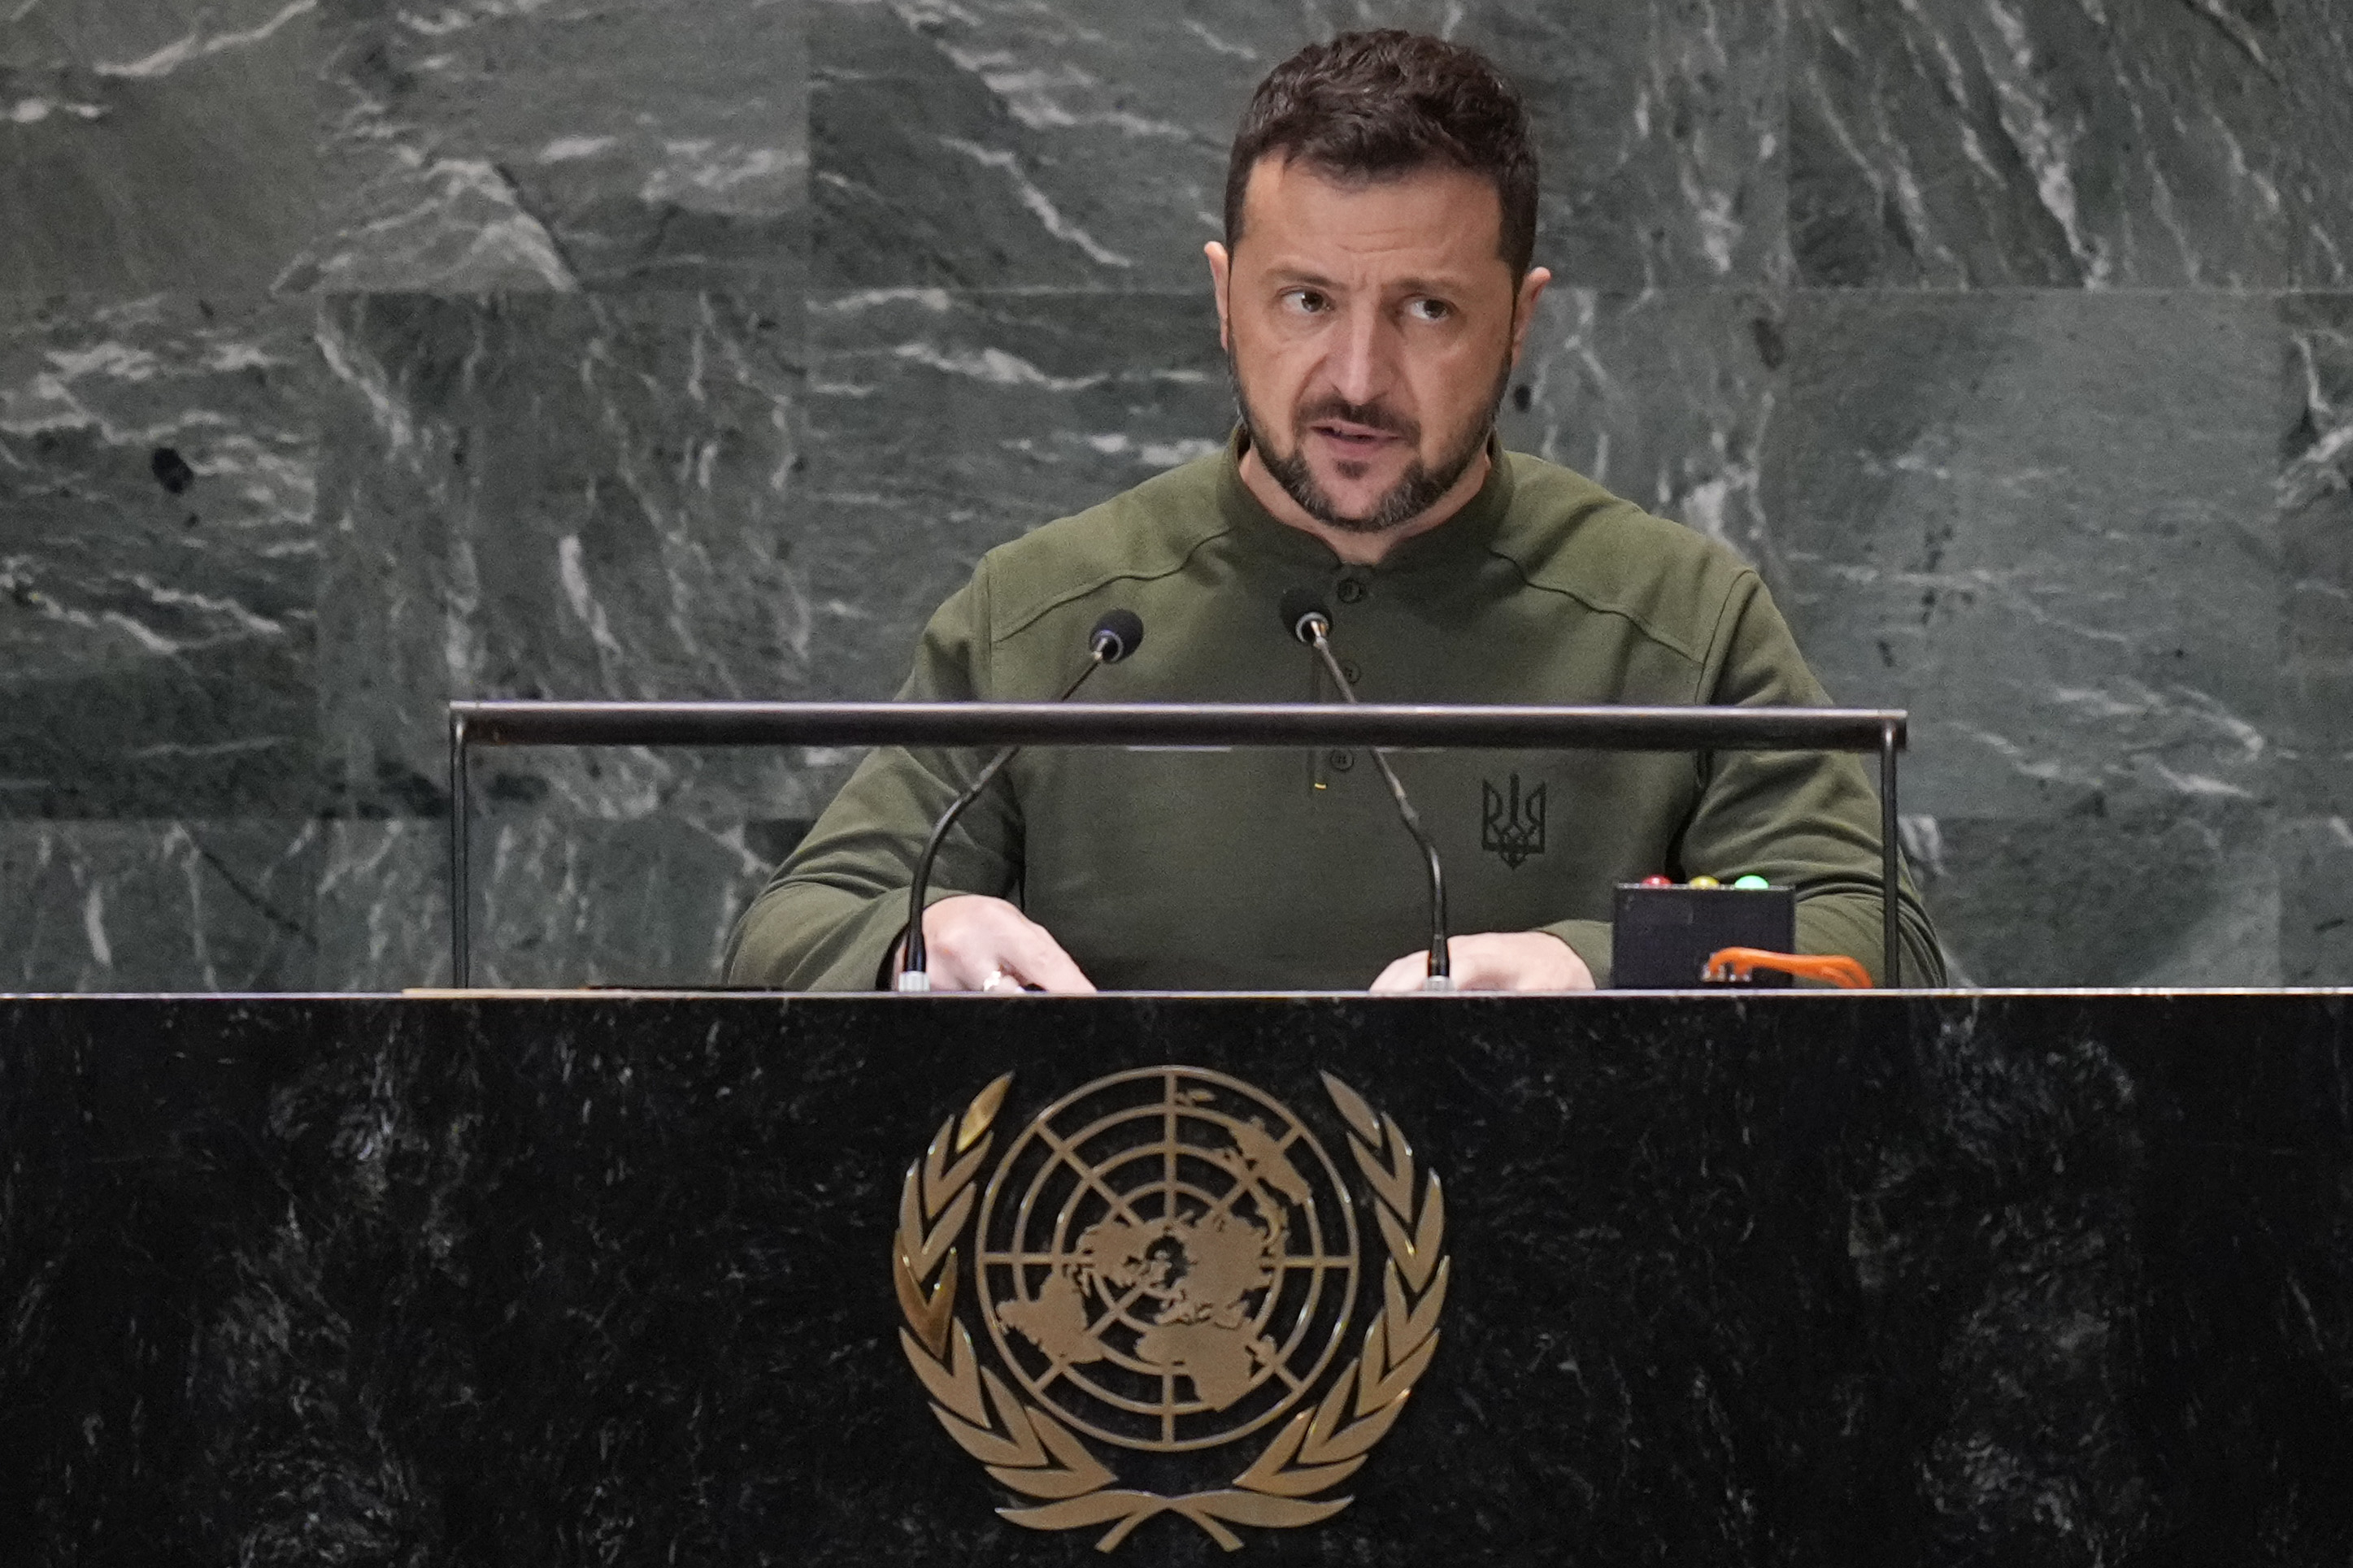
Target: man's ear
1221,275
1523,308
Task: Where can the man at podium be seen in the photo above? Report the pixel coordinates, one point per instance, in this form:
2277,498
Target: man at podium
1374,290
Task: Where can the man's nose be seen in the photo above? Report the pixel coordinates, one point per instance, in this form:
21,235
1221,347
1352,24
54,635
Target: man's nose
1363,359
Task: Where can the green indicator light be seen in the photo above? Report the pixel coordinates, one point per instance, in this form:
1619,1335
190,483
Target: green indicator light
1751,883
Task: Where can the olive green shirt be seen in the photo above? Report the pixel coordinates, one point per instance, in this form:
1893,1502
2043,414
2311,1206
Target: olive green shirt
1264,869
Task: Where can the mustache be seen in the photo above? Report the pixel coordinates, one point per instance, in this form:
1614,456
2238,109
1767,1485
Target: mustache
1373,416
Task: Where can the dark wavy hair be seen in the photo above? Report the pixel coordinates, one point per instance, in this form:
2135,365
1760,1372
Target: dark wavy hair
1371,106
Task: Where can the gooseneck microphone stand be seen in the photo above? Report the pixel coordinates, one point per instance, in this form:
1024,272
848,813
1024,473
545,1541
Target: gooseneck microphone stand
1118,634
1311,623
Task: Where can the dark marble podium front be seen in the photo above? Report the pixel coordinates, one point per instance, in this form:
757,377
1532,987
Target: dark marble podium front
602,1278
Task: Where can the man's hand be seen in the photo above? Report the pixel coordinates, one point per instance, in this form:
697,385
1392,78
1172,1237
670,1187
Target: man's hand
976,943
1495,960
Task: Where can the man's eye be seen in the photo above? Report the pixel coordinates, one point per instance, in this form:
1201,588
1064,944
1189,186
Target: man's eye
1429,310
1306,301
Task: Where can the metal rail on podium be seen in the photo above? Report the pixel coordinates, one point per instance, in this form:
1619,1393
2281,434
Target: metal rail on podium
1207,725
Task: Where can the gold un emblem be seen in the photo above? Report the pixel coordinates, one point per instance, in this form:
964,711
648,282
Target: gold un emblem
1166,1264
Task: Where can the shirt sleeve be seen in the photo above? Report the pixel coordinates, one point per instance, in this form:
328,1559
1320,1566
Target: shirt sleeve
1590,940
829,916
1807,820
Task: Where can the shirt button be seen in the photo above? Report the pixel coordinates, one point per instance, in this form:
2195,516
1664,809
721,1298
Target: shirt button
1348,667
1351,591
1342,761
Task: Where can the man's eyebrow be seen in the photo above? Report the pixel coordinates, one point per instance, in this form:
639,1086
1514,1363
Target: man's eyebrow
1313,280
1300,275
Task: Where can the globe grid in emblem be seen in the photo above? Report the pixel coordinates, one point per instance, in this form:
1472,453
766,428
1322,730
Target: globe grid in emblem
1167,1259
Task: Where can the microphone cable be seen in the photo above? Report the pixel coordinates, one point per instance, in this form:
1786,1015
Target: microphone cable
1115,635
1305,618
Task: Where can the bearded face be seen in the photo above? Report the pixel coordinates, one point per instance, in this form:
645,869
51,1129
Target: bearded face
1370,328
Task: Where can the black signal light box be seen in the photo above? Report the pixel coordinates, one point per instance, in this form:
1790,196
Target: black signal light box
1661,936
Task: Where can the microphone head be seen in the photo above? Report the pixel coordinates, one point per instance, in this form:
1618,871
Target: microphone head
1118,634
1301,610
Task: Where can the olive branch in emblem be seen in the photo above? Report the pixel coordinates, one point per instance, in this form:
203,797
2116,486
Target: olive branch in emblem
1025,1447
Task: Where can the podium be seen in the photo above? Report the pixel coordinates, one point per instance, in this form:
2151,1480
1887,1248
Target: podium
614,1278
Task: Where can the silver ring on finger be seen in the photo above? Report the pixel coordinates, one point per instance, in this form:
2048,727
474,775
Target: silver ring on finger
999,981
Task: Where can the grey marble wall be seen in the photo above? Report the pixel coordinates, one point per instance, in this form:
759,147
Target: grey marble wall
359,353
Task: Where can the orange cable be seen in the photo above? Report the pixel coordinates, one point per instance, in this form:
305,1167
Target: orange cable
1741,962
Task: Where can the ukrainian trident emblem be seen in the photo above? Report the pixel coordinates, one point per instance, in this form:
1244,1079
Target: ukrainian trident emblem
1165,1265
1512,825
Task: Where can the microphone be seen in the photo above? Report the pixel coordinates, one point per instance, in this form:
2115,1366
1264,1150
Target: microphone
1116,633
1305,618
